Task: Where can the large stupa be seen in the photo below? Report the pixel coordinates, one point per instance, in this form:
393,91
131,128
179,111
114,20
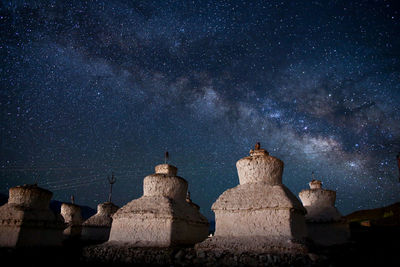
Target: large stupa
161,217
260,214
27,221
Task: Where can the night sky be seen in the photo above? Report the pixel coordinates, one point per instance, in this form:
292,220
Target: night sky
88,88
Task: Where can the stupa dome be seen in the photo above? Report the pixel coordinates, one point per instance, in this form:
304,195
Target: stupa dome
260,167
165,183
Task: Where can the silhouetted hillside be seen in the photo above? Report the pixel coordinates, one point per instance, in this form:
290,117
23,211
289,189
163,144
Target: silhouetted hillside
385,216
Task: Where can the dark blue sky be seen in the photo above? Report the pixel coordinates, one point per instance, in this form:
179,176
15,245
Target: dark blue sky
94,87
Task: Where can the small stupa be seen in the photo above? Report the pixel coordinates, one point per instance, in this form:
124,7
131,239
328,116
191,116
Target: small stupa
325,225
189,200
260,214
161,217
97,228
73,218
27,221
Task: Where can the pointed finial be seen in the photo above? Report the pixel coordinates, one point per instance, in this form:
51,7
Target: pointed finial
166,157
257,146
313,175
72,199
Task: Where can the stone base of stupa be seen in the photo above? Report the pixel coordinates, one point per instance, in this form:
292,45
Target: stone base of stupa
252,244
157,221
258,217
23,227
95,233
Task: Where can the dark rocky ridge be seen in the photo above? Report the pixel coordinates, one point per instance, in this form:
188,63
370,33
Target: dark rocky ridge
384,216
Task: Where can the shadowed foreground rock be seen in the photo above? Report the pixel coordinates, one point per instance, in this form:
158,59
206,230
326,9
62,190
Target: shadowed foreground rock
118,254
370,246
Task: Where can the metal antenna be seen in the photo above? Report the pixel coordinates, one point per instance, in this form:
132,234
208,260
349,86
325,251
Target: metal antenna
166,157
72,199
111,181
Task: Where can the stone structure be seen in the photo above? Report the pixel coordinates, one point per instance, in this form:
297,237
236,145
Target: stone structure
189,200
27,221
73,217
325,225
260,214
97,228
161,217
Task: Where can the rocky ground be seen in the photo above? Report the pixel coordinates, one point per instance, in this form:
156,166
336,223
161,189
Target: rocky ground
125,255
368,247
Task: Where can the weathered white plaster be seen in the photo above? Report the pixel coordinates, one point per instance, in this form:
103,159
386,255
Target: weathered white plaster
161,217
324,222
97,228
320,203
260,214
260,167
73,218
26,219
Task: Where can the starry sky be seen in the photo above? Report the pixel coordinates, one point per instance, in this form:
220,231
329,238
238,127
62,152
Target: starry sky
94,87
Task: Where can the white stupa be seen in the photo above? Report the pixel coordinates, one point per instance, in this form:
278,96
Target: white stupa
73,218
260,214
324,222
27,221
97,228
161,217
319,203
